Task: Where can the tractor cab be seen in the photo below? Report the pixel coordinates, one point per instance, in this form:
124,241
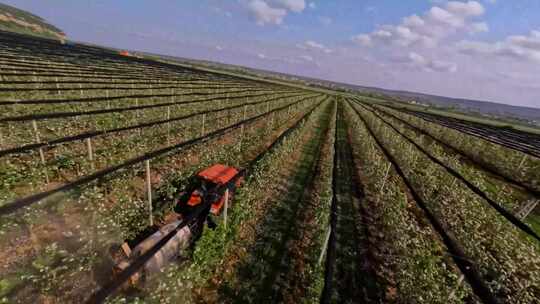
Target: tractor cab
205,181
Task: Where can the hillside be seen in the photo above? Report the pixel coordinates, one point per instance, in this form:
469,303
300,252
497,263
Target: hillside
15,20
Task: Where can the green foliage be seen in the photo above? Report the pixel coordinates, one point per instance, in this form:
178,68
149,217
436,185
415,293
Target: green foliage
414,256
216,245
498,249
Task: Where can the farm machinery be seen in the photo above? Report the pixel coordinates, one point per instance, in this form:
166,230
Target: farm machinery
207,193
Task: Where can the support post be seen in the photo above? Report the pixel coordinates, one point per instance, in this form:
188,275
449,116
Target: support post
90,153
203,122
137,115
226,198
57,86
35,79
528,207
137,111
384,181
242,127
453,293
522,162
325,245
41,153
168,124
149,192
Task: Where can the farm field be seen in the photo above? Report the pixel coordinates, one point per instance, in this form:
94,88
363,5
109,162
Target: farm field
336,199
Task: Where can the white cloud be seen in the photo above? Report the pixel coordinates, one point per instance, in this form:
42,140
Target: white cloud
445,17
437,24
312,45
262,56
419,61
413,21
312,5
478,27
296,6
264,14
219,47
443,66
273,11
531,42
474,47
362,39
416,58
470,8
515,46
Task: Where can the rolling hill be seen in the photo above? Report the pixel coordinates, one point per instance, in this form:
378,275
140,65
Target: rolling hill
16,20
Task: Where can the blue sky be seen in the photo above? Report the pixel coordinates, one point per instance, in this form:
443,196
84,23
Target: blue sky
484,49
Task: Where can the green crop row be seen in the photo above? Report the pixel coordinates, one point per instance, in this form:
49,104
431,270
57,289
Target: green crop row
511,198
512,163
217,245
507,260
416,268
109,212
70,160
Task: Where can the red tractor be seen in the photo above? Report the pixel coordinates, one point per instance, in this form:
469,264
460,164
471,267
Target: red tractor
125,53
201,185
201,189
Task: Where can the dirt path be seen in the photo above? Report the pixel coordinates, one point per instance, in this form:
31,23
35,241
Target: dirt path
349,266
